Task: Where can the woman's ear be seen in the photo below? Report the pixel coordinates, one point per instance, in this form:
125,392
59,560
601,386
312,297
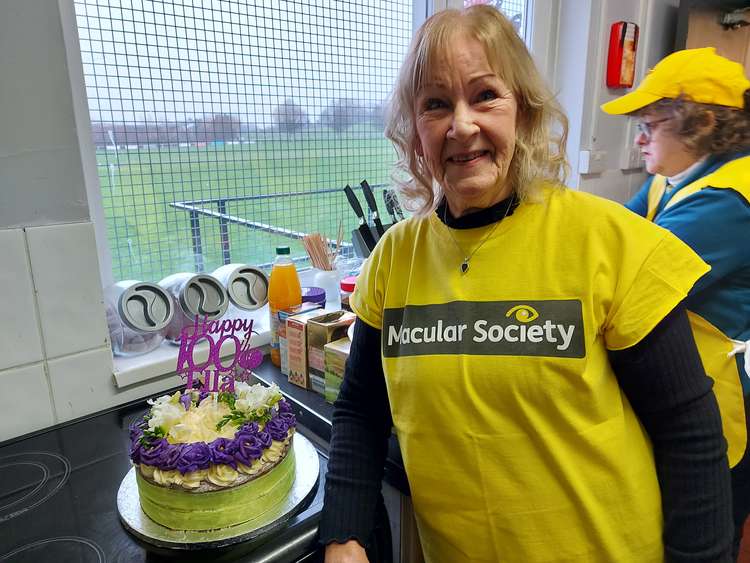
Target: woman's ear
706,122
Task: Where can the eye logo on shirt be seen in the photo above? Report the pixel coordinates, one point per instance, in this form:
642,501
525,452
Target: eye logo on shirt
523,313
531,328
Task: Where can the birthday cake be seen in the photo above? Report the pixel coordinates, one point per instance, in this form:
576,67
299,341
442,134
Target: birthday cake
205,461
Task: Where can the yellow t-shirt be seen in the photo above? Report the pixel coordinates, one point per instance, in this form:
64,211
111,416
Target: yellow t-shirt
518,443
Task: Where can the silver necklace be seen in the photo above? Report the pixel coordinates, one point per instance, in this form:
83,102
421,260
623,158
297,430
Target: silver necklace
467,257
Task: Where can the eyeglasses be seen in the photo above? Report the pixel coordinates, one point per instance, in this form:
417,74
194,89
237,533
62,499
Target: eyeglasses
647,128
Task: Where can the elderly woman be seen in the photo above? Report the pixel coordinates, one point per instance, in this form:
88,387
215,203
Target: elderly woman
694,134
527,342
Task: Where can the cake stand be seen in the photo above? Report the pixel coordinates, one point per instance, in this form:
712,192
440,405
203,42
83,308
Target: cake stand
305,484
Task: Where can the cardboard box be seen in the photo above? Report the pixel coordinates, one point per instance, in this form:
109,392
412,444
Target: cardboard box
296,338
335,354
320,331
284,314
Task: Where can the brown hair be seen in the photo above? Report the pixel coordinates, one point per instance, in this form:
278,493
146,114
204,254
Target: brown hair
728,131
539,154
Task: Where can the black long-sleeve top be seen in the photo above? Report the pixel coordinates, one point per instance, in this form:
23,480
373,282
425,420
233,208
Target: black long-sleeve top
662,377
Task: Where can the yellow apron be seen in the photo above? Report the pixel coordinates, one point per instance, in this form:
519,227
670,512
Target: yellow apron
714,346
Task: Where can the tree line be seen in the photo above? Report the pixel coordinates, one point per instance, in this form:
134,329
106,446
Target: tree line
289,117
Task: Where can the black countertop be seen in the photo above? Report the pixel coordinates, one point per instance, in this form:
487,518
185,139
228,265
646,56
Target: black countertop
58,490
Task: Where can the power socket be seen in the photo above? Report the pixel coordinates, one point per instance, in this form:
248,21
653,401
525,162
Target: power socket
592,162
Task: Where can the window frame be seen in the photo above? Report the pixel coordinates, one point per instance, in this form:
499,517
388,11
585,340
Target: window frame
159,363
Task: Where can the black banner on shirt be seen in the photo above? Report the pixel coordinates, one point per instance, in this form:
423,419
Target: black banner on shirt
508,328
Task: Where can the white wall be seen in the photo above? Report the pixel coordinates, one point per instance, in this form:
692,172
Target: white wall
579,79
55,359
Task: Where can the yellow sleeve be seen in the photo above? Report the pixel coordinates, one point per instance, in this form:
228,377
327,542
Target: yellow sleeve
369,293
651,286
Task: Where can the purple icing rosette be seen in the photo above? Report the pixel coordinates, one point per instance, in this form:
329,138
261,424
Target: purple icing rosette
193,457
265,438
153,453
284,406
248,428
222,451
135,451
249,448
277,428
135,430
170,457
289,419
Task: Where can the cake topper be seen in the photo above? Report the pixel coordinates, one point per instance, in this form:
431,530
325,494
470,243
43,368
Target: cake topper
213,375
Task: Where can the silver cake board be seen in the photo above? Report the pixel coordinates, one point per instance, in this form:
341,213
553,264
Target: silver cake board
307,469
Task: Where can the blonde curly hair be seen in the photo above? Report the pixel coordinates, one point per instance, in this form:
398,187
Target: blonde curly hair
541,129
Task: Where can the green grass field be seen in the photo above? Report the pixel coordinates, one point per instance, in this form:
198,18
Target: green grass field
150,239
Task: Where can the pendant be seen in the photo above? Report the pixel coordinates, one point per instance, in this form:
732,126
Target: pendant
464,266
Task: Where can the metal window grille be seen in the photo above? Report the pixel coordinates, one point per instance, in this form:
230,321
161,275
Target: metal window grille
224,128
515,10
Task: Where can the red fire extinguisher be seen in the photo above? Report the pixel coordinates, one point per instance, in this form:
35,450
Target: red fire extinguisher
623,42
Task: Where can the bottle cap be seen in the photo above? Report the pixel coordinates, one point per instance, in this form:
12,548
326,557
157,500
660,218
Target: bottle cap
282,250
145,307
348,283
314,295
204,296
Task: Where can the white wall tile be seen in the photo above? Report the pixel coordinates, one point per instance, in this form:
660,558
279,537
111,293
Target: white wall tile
83,383
24,404
69,293
20,342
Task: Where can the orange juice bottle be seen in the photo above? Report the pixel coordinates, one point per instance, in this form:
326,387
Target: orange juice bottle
283,292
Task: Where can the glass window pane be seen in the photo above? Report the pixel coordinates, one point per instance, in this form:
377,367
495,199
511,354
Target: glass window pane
514,10
225,128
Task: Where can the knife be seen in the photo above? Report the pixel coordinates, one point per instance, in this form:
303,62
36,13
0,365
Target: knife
370,199
396,205
389,205
364,228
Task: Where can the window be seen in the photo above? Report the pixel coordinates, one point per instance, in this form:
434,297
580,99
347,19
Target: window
224,128
515,10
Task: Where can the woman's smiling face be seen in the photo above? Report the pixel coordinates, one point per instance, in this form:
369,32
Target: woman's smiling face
466,127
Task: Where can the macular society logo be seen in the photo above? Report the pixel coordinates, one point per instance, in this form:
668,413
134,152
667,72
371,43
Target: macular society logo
509,328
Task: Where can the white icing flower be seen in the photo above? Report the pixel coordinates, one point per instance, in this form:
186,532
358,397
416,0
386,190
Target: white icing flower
147,470
252,397
192,479
166,411
222,475
166,478
250,469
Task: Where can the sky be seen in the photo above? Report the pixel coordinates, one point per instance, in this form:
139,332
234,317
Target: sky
157,60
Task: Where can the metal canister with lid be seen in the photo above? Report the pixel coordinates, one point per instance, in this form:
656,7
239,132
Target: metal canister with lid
247,288
198,296
137,312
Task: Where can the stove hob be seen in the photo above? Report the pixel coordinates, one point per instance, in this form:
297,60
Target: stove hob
58,501
56,550
28,479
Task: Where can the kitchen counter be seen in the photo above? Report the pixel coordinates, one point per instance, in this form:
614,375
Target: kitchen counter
58,492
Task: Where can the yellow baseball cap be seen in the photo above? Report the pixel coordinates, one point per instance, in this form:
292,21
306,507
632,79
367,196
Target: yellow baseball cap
699,74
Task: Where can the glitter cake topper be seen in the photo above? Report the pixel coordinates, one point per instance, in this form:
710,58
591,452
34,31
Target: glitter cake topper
215,375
